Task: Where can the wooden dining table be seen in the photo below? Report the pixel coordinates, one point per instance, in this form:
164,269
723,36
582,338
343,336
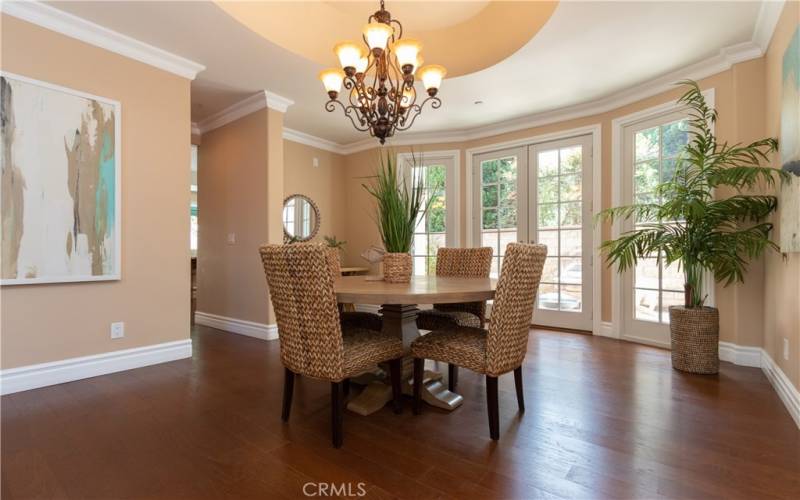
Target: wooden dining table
399,306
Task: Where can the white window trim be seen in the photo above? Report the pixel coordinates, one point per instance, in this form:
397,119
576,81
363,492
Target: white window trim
453,187
595,130
618,126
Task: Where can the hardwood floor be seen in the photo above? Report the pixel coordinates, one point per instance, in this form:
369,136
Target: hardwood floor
604,419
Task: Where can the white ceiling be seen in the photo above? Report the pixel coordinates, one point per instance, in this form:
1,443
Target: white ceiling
586,51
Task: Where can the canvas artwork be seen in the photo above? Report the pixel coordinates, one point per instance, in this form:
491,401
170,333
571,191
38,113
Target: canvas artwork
790,146
60,184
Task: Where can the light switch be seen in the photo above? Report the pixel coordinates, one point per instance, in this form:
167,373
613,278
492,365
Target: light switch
231,238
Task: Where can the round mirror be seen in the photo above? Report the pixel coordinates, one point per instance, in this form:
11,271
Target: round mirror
300,218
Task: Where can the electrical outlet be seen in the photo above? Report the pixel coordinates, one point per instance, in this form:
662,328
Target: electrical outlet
231,238
117,330
315,162
786,349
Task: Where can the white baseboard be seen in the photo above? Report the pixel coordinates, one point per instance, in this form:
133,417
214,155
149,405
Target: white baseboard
606,330
740,355
783,386
242,327
57,372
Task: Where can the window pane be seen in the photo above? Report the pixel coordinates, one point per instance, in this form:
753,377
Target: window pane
549,238
506,237
646,144
669,299
550,270
571,214
570,187
571,270
571,242
507,217
548,216
507,170
435,242
645,305
674,137
431,263
493,270
548,296
547,189
437,215
490,219
571,160
489,171
672,278
548,163
489,198
571,298
508,194
646,274
490,240
419,266
668,169
420,244
646,176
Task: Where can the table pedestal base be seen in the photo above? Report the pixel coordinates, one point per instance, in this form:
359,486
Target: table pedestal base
378,393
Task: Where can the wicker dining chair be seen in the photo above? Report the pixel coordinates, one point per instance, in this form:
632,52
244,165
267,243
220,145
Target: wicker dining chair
310,335
502,347
351,319
463,263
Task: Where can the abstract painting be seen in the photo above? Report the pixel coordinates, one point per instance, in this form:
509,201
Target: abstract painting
790,147
60,184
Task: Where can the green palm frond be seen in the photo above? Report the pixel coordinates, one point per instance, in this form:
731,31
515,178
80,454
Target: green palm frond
720,235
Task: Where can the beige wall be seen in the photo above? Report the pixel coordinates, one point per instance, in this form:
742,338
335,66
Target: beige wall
232,199
42,323
325,184
738,92
781,296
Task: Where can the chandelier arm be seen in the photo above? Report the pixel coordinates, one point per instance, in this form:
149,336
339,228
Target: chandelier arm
414,111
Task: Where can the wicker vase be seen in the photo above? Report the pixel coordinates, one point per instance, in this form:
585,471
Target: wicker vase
397,267
695,339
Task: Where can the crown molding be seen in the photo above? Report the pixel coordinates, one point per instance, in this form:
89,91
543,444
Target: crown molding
195,129
768,16
277,102
72,26
311,140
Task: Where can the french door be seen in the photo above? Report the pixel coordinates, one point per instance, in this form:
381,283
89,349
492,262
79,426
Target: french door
542,193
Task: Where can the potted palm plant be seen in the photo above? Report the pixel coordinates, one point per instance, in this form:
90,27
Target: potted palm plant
399,205
700,232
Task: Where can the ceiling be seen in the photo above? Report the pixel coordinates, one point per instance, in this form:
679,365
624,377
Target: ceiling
585,51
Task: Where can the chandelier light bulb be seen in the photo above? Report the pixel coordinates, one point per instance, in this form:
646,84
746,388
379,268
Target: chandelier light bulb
349,54
406,51
432,76
332,80
377,35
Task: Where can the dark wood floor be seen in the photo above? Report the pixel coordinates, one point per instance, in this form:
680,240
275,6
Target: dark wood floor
605,419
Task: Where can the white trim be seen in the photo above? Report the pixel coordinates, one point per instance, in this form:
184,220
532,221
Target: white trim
57,372
277,102
768,16
117,189
75,27
726,58
311,140
617,135
739,354
783,386
597,230
370,308
242,327
195,129
605,330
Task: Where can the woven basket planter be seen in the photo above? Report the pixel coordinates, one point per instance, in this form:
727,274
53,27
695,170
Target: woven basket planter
695,339
397,267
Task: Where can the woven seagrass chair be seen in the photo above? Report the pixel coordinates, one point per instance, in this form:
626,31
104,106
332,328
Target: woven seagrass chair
351,319
311,339
463,263
502,347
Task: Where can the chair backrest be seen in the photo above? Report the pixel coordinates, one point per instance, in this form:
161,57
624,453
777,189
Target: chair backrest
507,339
301,288
464,263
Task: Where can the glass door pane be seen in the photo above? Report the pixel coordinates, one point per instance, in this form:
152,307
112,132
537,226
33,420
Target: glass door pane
431,231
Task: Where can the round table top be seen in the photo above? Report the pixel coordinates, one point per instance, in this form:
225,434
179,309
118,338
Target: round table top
421,290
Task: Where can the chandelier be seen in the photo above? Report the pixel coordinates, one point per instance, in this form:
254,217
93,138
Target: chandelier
381,97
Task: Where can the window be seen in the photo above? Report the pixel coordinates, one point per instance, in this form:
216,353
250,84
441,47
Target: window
438,227
498,202
655,152
193,224
288,216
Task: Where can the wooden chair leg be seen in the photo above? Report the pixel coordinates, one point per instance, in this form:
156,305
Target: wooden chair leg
396,373
518,384
288,390
492,405
419,371
452,377
336,414
346,387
